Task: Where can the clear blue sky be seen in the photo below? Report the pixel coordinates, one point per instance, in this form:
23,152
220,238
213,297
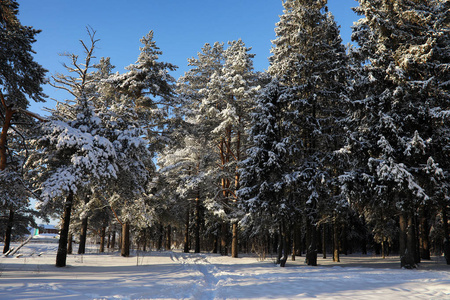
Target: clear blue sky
181,28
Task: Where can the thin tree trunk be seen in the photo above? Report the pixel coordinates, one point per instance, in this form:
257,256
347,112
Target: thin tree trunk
186,233
446,234
125,249
335,239
216,243
402,234
223,239
169,237
160,237
113,239
83,236
70,244
324,241
8,231
102,239
424,236
3,136
61,255
294,242
407,259
234,242
197,224
312,248
108,244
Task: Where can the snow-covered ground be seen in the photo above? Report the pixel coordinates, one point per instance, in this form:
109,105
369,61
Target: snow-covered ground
176,275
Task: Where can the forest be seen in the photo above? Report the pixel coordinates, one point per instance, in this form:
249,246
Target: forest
333,150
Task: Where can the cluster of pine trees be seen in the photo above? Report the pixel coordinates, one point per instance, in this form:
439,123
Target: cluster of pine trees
333,149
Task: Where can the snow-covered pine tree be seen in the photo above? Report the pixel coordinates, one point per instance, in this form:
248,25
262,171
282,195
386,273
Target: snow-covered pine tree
146,91
187,159
265,173
72,156
21,78
308,56
123,125
232,95
150,87
401,98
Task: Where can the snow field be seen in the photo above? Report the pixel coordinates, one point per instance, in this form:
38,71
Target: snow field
176,275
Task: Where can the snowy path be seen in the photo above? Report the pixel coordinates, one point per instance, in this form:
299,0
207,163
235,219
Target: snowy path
176,275
207,283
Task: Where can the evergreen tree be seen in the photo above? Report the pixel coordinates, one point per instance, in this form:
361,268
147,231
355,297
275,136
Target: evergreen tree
146,102
21,78
265,174
309,58
72,156
397,124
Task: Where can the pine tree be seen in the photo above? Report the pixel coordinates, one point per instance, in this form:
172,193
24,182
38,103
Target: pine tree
21,78
397,123
265,174
146,102
72,156
308,56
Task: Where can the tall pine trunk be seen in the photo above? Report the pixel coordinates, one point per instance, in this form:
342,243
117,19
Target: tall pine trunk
234,241
8,231
324,240
197,224
125,249
446,234
424,235
407,241
186,232
102,239
61,255
83,236
70,244
283,239
113,239
169,237
223,238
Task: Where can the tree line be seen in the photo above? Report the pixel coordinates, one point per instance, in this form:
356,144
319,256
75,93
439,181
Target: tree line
333,149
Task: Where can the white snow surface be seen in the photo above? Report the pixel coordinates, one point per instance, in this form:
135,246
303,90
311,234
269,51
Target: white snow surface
177,275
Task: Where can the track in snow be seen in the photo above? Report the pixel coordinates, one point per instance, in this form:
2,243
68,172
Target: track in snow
207,283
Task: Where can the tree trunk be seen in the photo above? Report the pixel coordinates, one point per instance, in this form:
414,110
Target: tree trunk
61,255
125,249
8,231
186,233
102,239
113,239
197,224
446,234
169,237
402,234
3,136
160,237
234,242
83,236
70,244
216,242
335,239
424,236
324,241
407,259
364,241
283,250
311,256
223,239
